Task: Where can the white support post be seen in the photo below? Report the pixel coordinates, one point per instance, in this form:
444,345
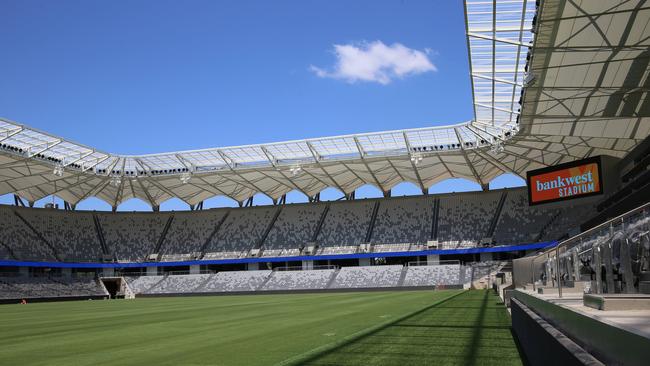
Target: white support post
433,259
307,265
152,271
195,269
364,261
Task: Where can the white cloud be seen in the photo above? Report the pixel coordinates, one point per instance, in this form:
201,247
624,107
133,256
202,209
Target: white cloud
376,62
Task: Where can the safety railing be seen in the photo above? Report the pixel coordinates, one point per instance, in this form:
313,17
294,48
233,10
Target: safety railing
438,263
609,258
299,268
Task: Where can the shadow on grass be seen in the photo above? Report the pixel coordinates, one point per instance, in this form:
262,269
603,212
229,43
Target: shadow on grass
442,334
470,357
478,327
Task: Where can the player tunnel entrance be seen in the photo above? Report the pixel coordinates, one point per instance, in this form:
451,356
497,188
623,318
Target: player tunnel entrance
114,286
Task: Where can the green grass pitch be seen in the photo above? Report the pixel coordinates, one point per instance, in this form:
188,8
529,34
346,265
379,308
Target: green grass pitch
448,327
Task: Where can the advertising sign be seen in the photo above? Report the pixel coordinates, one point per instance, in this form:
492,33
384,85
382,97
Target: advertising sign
565,181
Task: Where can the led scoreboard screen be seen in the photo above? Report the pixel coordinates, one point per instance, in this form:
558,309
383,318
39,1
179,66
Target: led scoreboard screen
565,181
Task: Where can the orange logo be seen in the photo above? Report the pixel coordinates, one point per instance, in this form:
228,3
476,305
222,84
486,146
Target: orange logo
565,183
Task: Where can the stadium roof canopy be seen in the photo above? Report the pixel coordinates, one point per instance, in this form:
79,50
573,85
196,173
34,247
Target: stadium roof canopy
579,90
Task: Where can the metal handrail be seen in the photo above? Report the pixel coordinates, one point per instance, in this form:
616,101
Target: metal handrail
438,263
564,244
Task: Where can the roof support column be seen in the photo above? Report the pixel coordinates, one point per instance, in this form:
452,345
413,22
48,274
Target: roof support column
387,193
280,201
485,187
362,155
462,142
317,159
413,165
19,201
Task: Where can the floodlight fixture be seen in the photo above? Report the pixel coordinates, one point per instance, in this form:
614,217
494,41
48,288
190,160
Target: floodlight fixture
186,177
295,170
58,170
116,180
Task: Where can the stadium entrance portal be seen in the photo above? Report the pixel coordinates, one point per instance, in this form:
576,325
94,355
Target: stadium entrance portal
114,287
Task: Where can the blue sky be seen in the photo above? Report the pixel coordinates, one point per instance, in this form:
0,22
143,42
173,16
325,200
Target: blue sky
153,76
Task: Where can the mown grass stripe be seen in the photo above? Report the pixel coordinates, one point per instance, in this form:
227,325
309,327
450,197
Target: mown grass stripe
314,353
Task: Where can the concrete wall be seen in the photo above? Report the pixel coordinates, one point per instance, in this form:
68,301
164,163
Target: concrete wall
542,344
608,343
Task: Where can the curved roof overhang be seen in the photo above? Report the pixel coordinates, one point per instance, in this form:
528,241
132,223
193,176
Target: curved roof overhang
579,90
36,164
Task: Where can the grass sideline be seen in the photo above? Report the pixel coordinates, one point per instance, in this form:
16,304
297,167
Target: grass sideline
472,328
331,347
225,330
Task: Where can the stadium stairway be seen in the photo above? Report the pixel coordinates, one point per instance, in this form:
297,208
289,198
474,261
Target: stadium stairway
266,280
213,233
155,284
402,276
333,278
161,239
497,215
38,235
100,235
434,219
321,220
200,287
371,226
260,244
